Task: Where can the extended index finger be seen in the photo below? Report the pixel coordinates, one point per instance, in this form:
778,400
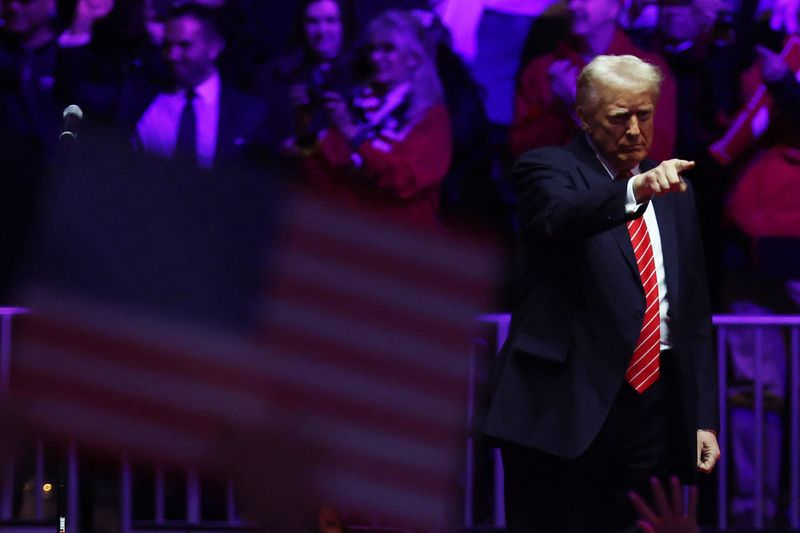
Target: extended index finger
682,165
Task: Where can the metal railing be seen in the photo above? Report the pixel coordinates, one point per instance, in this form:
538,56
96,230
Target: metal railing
723,324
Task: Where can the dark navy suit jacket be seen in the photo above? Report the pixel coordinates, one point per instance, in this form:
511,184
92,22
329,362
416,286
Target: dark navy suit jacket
579,305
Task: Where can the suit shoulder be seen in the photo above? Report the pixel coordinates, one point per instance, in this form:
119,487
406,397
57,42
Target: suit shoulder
547,155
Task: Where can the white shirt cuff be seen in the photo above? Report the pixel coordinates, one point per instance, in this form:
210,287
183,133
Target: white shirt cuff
630,205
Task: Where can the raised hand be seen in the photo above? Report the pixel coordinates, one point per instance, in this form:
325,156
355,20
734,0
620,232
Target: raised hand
667,517
87,12
663,179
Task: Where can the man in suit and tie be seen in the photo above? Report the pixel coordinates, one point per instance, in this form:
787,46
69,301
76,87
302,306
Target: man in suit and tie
197,117
608,376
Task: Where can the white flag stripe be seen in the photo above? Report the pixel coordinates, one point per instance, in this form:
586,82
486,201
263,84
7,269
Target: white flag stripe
365,281
465,260
189,394
348,332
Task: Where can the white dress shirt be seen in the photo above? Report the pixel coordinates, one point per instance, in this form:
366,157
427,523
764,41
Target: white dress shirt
157,130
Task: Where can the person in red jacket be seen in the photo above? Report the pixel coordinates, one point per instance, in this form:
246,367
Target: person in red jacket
389,146
545,96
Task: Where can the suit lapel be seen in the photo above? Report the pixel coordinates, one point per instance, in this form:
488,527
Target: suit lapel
594,173
623,238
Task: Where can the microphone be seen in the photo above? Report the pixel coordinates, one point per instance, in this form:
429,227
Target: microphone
72,121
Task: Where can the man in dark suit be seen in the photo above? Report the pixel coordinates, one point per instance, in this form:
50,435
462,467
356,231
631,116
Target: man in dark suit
608,376
198,116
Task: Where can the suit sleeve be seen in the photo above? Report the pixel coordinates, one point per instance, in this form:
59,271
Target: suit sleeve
555,205
701,343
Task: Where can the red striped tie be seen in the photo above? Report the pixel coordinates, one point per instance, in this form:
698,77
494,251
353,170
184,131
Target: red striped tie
643,368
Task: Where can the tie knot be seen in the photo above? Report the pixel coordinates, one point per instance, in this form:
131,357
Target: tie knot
624,175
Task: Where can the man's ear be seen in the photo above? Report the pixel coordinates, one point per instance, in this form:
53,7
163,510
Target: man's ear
581,112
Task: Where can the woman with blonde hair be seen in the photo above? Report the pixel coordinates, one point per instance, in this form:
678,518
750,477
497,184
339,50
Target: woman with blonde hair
390,146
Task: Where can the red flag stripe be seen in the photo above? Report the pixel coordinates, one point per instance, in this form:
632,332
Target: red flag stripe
325,282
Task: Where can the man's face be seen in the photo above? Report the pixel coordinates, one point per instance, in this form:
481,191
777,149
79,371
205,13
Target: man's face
588,15
189,50
323,27
24,17
621,125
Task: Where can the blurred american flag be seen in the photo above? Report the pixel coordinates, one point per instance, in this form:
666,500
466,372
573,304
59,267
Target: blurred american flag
360,352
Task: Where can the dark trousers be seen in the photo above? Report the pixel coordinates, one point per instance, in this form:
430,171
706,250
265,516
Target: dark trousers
643,436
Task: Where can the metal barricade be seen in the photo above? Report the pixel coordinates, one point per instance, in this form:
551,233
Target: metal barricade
789,326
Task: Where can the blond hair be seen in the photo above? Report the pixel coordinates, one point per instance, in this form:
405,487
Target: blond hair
625,71
426,89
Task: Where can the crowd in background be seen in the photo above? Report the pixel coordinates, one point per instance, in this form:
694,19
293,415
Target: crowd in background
194,113
416,106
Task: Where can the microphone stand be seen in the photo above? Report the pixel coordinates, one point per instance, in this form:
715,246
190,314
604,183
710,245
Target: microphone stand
68,156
